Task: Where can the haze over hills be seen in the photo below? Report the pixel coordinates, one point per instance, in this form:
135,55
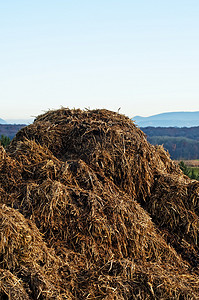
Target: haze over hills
2,121
20,121
170,119
17,121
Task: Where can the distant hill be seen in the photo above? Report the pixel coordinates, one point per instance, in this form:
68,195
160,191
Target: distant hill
186,132
182,143
171,119
10,130
2,121
20,121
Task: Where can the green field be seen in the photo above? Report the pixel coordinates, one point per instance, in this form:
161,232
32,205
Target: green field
194,171
190,168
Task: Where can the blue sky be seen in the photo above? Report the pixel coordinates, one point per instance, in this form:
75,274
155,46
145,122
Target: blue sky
142,56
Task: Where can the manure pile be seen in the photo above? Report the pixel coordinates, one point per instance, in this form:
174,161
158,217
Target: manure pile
90,210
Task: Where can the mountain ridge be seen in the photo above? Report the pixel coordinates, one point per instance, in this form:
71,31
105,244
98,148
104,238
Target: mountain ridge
169,119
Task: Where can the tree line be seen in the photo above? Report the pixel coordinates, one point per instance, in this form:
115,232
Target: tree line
181,143
186,132
179,148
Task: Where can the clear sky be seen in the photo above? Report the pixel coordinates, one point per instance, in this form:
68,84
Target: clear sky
142,56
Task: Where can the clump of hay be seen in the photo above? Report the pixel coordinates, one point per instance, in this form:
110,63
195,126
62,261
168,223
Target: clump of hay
87,181
25,260
11,287
10,177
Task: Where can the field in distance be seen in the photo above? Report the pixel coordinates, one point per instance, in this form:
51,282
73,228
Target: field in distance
190,167
194,163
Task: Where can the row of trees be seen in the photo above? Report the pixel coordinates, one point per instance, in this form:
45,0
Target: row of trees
182,143
10,130
180,148
186,132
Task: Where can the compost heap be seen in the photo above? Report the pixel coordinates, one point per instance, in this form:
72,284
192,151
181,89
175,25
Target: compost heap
90,210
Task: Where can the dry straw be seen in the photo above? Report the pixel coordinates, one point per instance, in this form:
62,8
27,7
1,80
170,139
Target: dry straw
97,213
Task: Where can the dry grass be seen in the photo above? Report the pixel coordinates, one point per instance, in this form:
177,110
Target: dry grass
81,185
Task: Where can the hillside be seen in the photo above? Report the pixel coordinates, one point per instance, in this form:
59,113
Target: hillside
10,130
171,119
90,210
182,143
190,133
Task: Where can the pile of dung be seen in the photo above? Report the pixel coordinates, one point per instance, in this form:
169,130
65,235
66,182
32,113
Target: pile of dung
90,210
